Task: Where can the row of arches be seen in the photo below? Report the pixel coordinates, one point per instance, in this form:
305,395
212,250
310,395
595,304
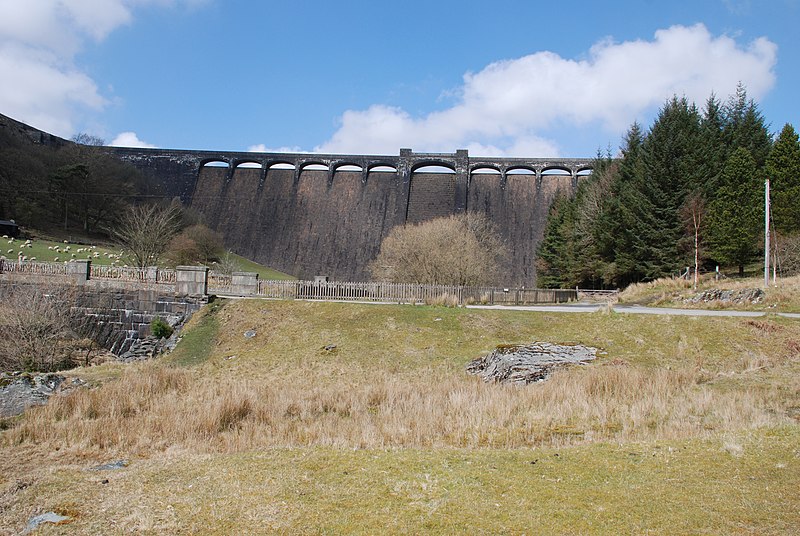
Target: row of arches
306,166
421,168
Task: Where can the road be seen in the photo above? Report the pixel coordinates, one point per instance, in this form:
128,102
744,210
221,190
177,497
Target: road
630,309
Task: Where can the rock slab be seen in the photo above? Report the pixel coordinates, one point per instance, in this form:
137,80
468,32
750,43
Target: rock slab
524,364
19,391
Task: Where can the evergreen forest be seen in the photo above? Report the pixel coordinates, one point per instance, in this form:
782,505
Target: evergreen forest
689,188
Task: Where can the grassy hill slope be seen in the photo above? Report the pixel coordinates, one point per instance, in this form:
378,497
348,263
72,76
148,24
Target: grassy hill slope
349,418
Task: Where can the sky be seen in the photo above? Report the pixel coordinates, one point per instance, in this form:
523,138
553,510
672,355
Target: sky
502,78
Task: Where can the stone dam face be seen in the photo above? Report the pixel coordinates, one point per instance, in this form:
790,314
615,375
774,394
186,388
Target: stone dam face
301,214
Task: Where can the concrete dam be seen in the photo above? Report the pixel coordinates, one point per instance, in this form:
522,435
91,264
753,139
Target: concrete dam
316,214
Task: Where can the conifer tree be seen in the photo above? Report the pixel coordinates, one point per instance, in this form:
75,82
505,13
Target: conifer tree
735,216
745,127
552,263
619,236
714,149
671,156
783,170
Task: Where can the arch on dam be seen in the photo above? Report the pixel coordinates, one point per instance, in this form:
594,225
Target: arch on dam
247,163
214,162
487,169
347,166
382,167
433,166
521,170
280,164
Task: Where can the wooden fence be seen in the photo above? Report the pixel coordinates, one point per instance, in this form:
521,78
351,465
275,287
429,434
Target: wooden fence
410,293
222,284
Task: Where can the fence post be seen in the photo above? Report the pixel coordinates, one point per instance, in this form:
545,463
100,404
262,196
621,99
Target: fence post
191,281
244,283
79,271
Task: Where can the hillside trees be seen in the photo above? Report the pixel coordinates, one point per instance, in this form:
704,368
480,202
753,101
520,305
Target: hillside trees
49,187
684,192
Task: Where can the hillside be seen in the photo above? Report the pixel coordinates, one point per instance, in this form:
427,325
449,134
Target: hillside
343,417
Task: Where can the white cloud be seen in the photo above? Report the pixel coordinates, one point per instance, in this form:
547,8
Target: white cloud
38,43
130,139
508,107
261,148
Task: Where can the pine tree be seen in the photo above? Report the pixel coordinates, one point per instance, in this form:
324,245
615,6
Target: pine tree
714,149
552,263
745,127
618,232
783,170
671,157
735,216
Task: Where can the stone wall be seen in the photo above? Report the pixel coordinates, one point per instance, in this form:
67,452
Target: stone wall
115,317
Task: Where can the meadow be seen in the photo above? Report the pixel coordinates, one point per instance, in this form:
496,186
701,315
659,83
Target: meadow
103,253
355,418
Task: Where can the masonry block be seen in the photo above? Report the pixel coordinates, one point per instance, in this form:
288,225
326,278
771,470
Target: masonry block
244,283
191,281
78,271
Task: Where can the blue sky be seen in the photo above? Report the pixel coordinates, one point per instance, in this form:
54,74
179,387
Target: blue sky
499,78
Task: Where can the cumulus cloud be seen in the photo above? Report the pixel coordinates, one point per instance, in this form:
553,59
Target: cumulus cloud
130,139
508,107
38,43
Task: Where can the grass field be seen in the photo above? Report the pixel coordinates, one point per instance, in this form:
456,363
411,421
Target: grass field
101,253
350,418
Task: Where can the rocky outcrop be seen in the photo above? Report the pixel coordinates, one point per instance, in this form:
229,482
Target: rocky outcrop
19,390
523,364
741,296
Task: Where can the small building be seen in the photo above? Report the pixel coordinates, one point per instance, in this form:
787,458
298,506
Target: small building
9,228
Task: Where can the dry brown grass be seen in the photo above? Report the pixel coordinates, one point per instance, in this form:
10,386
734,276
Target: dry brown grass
154,407
783,295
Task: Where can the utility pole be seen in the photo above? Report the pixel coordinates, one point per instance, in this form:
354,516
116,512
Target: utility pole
766,233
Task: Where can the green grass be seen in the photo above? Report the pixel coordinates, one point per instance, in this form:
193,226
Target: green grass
743,486
199,337
264,272
45,251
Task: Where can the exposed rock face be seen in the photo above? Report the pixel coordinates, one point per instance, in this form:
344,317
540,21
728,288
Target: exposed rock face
19,391
745,295
523,364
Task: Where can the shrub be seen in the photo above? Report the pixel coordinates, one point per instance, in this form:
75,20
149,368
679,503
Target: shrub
459,250
35,323
195,244
159,328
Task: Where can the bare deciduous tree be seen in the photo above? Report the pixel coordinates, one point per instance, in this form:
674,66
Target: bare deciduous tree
693,213
144,232
459,250
34,323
